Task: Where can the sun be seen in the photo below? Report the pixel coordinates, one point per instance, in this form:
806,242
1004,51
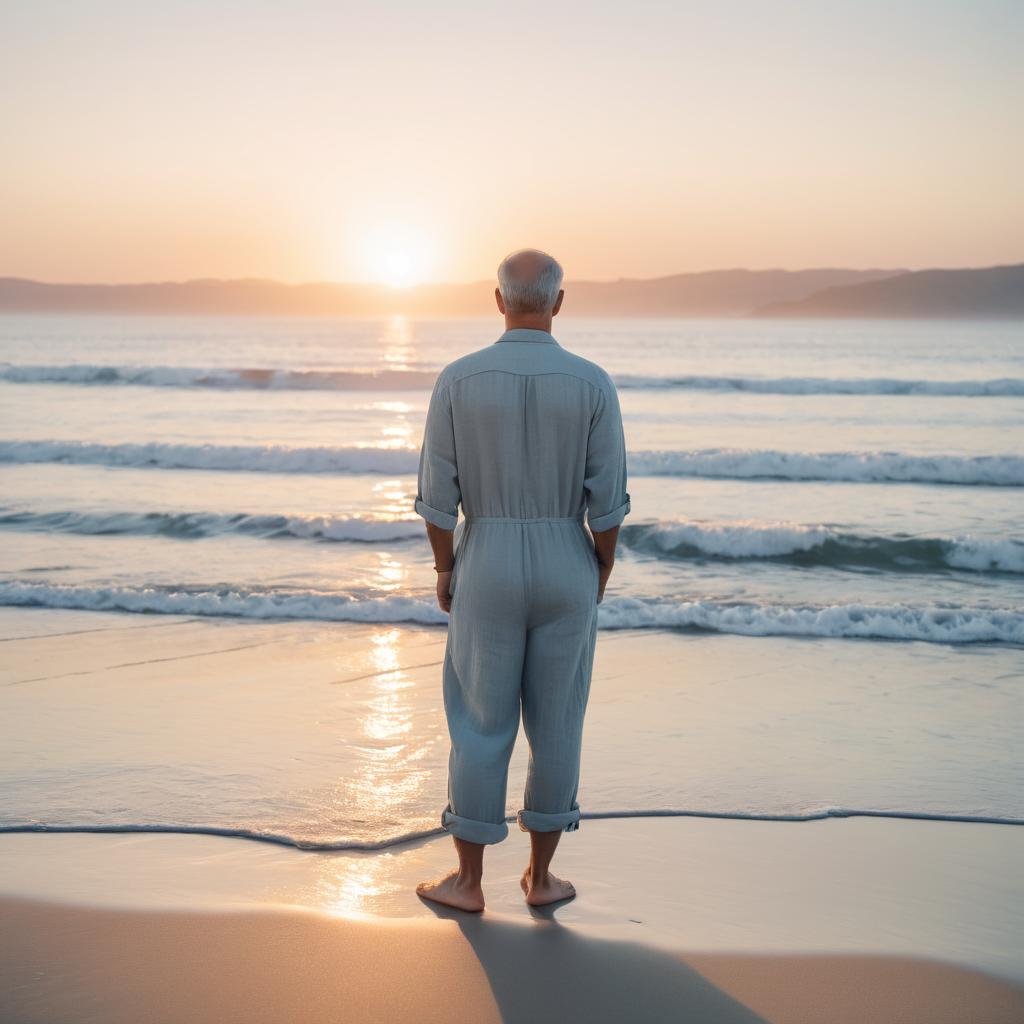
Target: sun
396,255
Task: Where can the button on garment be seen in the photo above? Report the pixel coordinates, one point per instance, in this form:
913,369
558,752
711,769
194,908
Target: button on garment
527,437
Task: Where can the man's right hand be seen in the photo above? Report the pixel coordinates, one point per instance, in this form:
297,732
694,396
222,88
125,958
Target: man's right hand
604,552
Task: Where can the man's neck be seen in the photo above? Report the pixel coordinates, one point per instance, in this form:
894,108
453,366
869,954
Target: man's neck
528,321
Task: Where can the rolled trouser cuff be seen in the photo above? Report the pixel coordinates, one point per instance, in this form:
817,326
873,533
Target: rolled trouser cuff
473,831
536,821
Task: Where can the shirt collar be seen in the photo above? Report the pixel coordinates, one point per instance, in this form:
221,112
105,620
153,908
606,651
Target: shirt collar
528,334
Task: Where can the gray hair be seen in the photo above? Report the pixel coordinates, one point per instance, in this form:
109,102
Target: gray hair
529,281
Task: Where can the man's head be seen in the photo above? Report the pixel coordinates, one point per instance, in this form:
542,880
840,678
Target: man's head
529,290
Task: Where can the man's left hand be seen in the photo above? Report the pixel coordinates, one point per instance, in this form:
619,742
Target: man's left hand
444,599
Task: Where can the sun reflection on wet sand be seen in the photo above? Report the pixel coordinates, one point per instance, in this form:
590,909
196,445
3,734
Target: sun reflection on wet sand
391,774
356,886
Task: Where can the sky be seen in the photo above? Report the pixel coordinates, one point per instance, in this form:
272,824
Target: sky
407,141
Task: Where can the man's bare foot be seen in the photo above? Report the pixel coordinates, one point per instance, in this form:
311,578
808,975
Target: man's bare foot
550,890
453,892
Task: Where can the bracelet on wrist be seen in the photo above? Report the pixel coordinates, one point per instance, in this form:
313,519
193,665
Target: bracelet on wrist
449,569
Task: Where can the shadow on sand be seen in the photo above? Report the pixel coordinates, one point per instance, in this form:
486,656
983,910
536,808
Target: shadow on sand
551,973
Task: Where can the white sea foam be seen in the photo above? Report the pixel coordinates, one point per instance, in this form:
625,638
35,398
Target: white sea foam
252,378
979,555
749,539
863,467
1002,387
261,378
932,624
254,458
740,539
211,524
338,528
880,622
735,540
240,602
860,467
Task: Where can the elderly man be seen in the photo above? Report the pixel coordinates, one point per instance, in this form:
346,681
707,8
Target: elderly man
528,438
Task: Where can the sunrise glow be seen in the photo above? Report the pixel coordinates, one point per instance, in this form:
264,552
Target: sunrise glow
396,255
383,144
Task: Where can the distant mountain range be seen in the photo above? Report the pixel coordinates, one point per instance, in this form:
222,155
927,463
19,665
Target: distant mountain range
992,292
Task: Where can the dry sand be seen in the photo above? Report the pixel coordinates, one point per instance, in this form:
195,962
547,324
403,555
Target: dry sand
837,921
66,963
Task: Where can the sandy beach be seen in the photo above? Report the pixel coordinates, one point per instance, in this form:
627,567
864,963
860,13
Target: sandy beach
679,918
719,921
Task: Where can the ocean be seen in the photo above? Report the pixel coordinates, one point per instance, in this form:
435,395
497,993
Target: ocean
840,501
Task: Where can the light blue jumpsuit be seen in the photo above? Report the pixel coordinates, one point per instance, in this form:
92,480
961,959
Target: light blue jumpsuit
528,438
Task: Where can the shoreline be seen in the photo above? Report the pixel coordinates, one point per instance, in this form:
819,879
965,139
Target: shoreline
724,921
948,889
42,828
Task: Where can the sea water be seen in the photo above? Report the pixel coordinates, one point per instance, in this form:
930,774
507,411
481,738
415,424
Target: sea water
858,482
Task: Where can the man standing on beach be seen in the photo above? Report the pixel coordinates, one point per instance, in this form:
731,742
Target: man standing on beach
528,438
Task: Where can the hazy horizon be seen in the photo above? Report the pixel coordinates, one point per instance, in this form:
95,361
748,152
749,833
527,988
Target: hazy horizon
439,283
325,143
491,280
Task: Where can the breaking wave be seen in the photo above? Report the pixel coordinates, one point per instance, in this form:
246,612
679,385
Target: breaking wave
853,467
253,458
821,545
930,624
266,379
240,602
225,378
193,525
999,388
791,543
734,463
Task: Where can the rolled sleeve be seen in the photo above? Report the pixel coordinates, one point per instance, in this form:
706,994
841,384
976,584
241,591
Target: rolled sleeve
605,478
610,519
446,520
438,494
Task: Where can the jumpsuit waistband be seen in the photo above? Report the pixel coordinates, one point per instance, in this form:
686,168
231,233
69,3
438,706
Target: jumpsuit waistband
532,519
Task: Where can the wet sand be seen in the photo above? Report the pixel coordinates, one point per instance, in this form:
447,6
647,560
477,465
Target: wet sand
856,920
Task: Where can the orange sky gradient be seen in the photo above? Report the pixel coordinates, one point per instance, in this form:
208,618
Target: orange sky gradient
419,142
